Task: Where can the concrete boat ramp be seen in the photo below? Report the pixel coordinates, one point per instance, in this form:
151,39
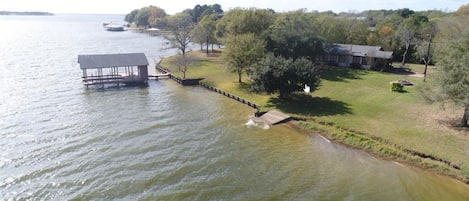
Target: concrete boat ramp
273,117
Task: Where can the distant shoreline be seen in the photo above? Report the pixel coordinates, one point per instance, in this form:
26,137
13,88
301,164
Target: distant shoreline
32,13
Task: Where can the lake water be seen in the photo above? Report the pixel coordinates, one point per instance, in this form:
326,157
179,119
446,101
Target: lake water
61,141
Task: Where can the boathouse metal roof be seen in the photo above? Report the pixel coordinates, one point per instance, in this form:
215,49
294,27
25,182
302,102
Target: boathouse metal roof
112,60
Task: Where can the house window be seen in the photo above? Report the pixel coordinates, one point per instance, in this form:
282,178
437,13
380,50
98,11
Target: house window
333,58
356,59
364,60
321,58
342,59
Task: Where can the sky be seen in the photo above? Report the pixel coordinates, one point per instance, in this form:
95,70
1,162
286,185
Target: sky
175,6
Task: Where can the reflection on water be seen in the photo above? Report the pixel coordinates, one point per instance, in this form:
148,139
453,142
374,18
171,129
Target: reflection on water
60,141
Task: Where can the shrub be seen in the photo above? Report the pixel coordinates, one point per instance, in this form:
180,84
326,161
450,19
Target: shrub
396,86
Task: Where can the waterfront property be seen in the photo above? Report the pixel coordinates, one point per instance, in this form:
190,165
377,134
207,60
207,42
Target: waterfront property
101,69
363,56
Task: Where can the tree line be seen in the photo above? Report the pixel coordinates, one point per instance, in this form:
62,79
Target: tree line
403,31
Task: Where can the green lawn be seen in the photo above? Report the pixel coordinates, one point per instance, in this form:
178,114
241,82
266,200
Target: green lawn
360,101
367,105
217,74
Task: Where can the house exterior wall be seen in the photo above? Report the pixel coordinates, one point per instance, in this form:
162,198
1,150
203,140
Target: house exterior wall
347,60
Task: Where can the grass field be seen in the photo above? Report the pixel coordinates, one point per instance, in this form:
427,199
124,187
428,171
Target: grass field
361,102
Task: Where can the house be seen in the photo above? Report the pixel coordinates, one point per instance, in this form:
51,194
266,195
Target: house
360,56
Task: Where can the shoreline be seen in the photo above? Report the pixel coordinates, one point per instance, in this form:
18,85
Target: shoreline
421,164
374,146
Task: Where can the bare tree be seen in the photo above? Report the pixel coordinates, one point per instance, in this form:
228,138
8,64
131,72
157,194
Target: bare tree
429,32
181,25
408,32
184,62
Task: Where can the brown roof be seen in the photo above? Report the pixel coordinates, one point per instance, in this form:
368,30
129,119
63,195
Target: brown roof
112,60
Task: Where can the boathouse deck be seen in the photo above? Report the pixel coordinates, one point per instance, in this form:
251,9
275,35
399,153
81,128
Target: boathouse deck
102,69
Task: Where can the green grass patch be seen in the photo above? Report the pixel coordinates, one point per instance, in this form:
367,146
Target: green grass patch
216,73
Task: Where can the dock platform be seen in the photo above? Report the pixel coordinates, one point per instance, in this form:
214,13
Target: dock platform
274,117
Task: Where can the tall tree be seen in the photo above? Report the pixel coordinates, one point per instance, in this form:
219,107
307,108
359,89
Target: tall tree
357,31
204,32
242,21
463,10
200,11
386,35
157,17
180,25
141,19
331,29
242,52
293,36
428,32
197,12
408,32
454,77
285,76
405,12
130,18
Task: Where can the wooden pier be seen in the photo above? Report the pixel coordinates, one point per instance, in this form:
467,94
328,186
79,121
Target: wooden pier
274,117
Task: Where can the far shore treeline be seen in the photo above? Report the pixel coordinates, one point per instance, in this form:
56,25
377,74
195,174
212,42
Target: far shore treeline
24,13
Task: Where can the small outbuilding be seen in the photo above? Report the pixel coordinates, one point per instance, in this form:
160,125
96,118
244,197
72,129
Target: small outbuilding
101,69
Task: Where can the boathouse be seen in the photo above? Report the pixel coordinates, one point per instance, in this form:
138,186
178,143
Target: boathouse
102,69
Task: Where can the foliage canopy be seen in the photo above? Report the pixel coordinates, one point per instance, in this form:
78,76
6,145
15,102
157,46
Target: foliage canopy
292,35
242,52
454,76
285,76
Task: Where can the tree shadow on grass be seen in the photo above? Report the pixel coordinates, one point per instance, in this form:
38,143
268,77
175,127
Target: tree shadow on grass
244,86
402,71
341,74
305,104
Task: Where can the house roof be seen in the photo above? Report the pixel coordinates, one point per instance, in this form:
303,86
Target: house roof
358,50
112,60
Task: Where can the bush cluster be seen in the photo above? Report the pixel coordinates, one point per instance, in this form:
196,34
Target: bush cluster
397,87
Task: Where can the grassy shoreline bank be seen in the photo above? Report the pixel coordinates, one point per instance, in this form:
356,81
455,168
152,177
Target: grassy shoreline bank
356,108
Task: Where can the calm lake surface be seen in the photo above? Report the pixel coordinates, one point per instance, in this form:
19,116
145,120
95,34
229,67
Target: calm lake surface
60,141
